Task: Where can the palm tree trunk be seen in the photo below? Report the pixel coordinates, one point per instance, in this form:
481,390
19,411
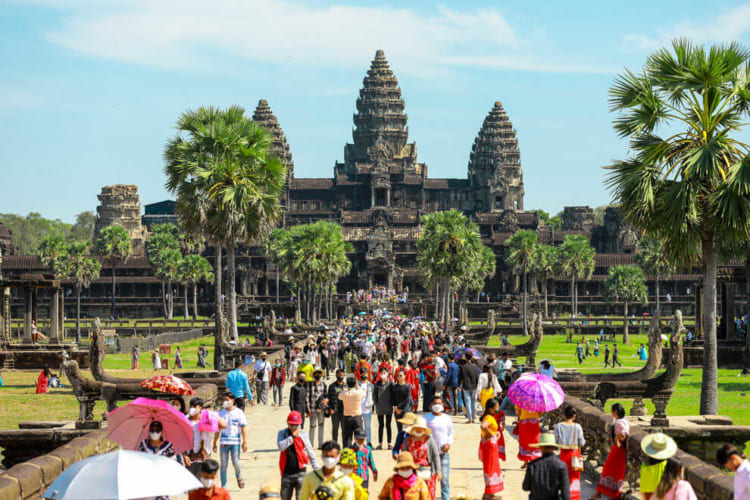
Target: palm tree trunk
112,312
572,297
625,333
78,314
185,295
546,288
232,292
525,301
438,298
657,312
195,301
218,309
277,285
447,291
709,387
164,299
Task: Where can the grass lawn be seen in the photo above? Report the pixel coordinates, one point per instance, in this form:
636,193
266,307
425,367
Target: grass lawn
18,402
734,391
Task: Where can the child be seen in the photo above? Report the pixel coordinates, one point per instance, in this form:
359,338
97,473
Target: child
657,448
348,465
365,460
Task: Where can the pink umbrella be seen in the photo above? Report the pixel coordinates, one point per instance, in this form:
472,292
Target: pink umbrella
536,392
129,424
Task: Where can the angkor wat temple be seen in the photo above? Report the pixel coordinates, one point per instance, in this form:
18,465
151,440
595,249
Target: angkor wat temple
378,194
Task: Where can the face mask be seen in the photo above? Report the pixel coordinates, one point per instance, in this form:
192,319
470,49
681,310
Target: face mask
318,377
406,474
154,435
339,378
227,404
347,471
384,375
437,409
301,381
329,462
207,483
193,411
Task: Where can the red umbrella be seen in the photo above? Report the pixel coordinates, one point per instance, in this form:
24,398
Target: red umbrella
168,383
129,424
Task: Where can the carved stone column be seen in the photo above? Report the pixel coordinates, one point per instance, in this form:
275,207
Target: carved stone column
54,316
27,314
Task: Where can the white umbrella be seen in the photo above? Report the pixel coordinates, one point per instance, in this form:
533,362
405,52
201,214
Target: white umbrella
122,475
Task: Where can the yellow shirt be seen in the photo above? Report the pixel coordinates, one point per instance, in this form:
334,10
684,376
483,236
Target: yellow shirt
651,476
359,492
307,369
341,485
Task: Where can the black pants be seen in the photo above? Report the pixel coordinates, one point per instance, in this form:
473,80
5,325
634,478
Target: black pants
240,403
350,425
336,423
292,483
399,427
385,421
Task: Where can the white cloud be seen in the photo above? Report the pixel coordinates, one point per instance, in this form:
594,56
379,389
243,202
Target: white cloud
728,26
190,33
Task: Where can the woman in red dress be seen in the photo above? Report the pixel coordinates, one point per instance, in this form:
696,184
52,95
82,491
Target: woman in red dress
613,472
42,383
490,449
528,432
412,378
426,454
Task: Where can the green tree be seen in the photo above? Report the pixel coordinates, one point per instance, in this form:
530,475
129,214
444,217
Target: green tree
83,269
83,229
652,258
53,250
195,269
113,247
576,261
544,264
163,237
30,230
626,283
446,250
520,250
228,186
168,262
687,178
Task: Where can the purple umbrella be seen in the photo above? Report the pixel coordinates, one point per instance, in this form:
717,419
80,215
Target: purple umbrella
536,392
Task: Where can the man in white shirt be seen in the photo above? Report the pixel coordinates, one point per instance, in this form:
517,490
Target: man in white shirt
729,456
441,426
262,378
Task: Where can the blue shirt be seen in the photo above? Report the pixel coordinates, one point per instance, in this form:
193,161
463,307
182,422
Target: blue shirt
237,384
451,379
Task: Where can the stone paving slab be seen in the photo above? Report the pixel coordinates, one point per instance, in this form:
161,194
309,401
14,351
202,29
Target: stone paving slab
260,463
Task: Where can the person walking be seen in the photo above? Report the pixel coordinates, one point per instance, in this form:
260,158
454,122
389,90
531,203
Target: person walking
490,451
428,372
348,465
238,385
412,378
335,407
328,481
729,456
232,439
616,356
207,477
528,430
606,356
368,403
441,426
178,359
365,460
317,401
451,386
298,397
262,378
547,477
469,380
405,484
352,398
579,353
384,408
135,358
202,435
613,473
278,377
569,435
296,453
425,451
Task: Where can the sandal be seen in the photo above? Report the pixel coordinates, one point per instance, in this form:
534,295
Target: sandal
241,483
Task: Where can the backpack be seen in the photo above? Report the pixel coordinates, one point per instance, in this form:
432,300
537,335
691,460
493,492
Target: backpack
324,492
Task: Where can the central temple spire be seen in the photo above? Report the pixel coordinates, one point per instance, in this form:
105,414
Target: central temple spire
380,111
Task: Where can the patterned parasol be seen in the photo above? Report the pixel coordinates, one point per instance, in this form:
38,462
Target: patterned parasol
536,392
168,383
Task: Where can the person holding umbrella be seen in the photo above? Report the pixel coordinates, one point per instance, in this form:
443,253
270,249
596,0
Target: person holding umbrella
156,444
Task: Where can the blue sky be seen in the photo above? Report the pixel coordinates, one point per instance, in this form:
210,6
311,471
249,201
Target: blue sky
90,90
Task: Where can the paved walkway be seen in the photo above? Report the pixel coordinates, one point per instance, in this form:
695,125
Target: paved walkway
261,461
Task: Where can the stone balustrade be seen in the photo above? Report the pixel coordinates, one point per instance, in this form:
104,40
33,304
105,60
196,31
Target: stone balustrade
708,481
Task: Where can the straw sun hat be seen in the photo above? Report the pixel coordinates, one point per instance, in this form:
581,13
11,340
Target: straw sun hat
546,439
405,459
407,419
659,446
419,423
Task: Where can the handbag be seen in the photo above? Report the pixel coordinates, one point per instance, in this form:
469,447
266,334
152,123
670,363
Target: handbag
576,463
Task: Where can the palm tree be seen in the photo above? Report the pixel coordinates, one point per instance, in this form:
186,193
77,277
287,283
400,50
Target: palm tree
481,269
520,250
688,187
627,283
84,269
52,251
168,262
113,247
446,250
227,183
163,237
544,264
655,262
576,262
195,269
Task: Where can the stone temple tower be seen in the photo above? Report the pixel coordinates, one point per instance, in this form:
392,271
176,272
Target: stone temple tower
279,147
119,204
495,164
